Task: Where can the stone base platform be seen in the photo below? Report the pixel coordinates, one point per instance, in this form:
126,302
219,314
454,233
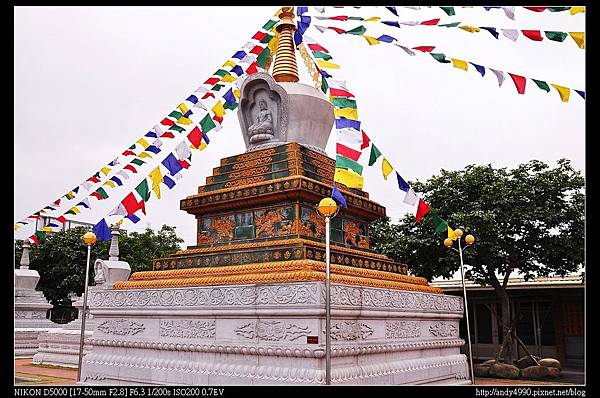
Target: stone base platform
273,333
60,347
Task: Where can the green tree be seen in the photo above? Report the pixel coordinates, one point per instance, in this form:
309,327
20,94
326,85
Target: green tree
527,220
61,258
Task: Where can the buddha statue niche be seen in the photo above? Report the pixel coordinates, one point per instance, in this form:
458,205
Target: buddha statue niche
262,129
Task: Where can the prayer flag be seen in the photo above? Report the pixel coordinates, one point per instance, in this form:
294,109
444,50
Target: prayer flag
359,30
365,141
207,124
440,58
534,35
327,64
410,198
105,170
336,92
195,137
425,49
542,85
512,34
131,204
348,178
342,123
470,29
172,164
345,151
556,36
118,211
156,178
338,197
168,182
375,154
348,113
576,10
499,75
371,40
492,31
130,168
460,64
519,82
422,209
102,231
564,92
579,38
391,23
452,234
430,22
99,194
342,102
347,163
386,38
403,185
440,224
133,218
479,68
386,168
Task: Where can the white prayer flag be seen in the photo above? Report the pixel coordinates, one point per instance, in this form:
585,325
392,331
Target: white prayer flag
500,75
410,198
512,34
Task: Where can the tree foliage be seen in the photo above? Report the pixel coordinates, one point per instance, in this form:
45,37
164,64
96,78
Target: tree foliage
61,258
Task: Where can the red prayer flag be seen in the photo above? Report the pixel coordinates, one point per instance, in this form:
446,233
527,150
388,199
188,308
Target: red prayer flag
339,18
62,219
184,164
259,36
167,122
425,49
346,152
205,96
257,50
35,239
430,22
338,92
252,68
195,137
338,30
519,82
127,152
366,140
212,81
421,210
536,9
535,35
131,168
96,195
219,119
317,47
168,134
130,203
57,202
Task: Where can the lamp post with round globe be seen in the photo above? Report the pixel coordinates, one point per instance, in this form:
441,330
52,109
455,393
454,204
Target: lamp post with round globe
328,209
89,239
469,240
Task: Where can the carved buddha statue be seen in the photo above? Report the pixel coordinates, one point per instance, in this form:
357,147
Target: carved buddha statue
262,129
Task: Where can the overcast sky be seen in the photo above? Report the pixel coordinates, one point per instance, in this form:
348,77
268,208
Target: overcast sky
89,81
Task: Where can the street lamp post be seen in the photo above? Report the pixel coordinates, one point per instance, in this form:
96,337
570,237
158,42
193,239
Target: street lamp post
89,238
328,209
469,240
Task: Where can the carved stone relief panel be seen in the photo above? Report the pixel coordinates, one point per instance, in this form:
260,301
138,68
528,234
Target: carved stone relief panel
272,330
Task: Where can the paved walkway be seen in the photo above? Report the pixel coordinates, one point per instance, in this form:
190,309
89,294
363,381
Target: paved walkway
28,374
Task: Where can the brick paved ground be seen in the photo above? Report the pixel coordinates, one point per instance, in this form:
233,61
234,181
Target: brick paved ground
28,374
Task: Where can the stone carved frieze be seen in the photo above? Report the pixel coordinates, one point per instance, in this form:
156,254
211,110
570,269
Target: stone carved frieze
272,330
209,296
402,329
121,327
350,330
30,315
187,329
443,329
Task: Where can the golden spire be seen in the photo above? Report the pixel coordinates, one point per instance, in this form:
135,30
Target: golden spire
285,69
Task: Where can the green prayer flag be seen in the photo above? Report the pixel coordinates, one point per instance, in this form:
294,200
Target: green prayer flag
441,226
324,85
448,10
440,58
207,124
356,19
346,163
177,128
131,147
175,115
359,30
230,105
341,102
451,25
556,36
266,39
143,190
221,72
41,234
102,192
542,85
263,58
137,161
70,212
217,87
557,9
374,155
269,25
321,54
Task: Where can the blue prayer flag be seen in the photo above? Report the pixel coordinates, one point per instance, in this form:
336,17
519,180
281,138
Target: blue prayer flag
148,134
192,98
301,10
133,218
102,231
391,23
168,182
401,183
491,30
338,197
205,138
237,70
343,123
116,180
489,8
51,224
188,113
239,55
297,36
479,68
172,164
581,93
386,38
229,97
325,74
393,10
153,149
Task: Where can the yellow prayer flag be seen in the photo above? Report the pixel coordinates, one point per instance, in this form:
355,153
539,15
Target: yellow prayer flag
144,155
579,38
576,10
236,93
42,211
184,120
451,234
202,145
327,64
75,210
143,143
469,28
110,183
229,63
229,79
460,64
120,222
564,92
156,177
105,170
47,229
349,178
17,226
348,113
218,109
386,168
373,19
184,109
273,44
371,40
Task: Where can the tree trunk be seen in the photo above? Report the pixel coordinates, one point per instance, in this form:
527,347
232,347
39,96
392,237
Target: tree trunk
505,321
